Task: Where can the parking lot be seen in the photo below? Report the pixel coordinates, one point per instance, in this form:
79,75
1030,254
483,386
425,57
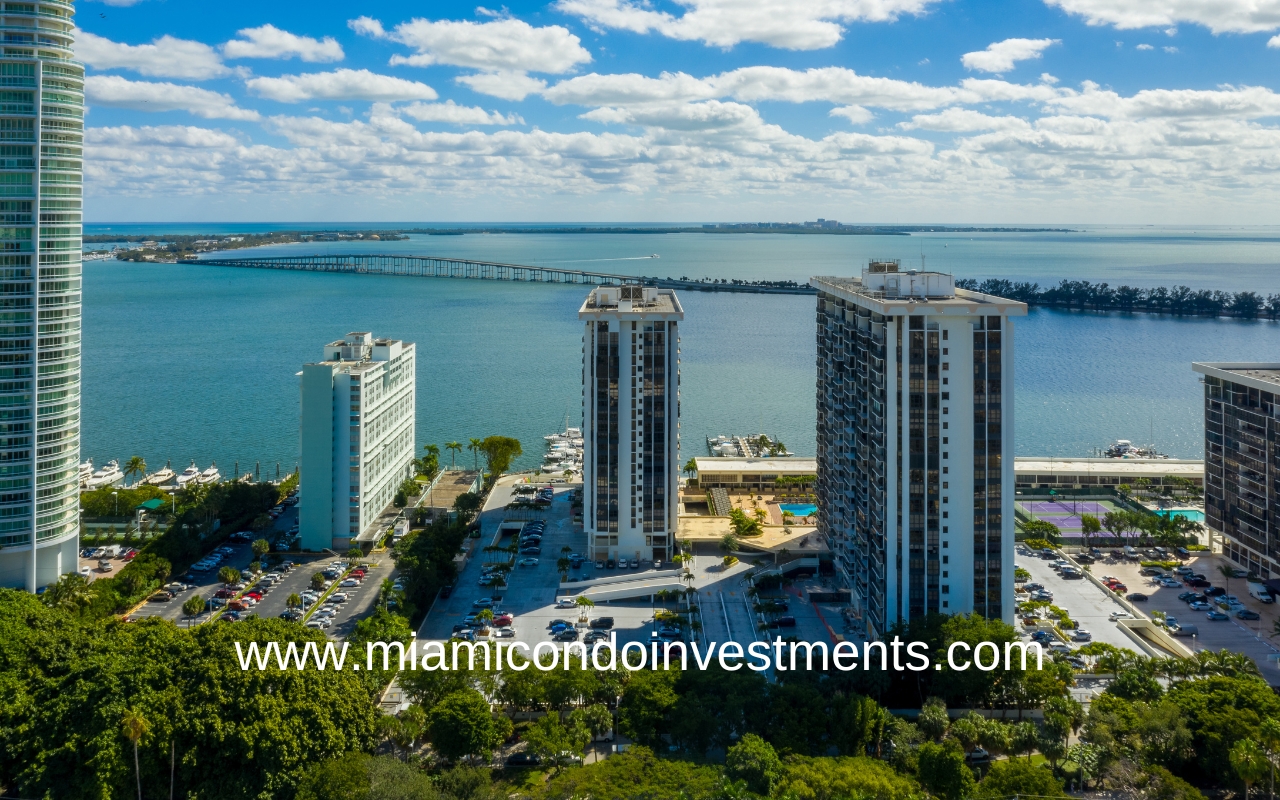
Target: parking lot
1086,603
1249,637
533,590
1091,606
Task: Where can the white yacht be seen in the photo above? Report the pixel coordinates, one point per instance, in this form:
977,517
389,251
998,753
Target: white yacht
191,473
160,477
107,476
210,475
86,472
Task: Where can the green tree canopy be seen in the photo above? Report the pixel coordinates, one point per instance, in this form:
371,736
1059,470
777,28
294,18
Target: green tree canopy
754,761
1008,778
462,725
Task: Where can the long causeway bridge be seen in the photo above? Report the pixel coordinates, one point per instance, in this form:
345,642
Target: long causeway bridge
432,267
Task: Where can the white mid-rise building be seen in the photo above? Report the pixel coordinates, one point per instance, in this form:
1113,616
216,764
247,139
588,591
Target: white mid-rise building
915,443
630,421
357,436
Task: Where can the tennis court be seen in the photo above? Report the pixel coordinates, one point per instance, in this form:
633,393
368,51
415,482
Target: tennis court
1065,513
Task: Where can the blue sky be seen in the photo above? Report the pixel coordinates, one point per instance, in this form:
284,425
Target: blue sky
1153,111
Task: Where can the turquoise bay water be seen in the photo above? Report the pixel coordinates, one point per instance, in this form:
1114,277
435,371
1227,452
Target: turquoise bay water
200,362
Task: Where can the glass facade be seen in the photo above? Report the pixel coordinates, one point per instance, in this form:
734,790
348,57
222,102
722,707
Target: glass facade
987,468
41,150
1241,462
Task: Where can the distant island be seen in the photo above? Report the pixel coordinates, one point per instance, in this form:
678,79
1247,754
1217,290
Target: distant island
170,248
173,248
826,227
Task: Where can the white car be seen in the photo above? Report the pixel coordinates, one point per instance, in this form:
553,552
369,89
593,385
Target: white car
350,583
1115,615
566,602
86,571
528,562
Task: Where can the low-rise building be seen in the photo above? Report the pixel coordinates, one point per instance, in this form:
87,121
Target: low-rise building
1039,472
754,474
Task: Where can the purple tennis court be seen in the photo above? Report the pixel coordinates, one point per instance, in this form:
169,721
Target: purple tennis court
1065,513
1043,508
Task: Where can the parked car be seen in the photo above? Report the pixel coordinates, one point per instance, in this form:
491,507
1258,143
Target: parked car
783,622
567,635
1184,630
1245,613
602,622
1120,615
1199,605
1081,635
566,602
523,760
1216,615
1136,597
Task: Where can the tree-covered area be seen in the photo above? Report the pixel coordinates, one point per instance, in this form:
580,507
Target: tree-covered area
1086,296
68,683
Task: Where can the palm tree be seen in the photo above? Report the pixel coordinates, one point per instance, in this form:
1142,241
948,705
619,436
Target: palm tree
135,726
1250,763
228,575
192,607
1227,574
71,592
583,602
454,448
136,466
294,600
474,447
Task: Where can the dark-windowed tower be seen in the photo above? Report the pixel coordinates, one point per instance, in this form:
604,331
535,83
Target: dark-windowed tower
1242,461
915,443
630,421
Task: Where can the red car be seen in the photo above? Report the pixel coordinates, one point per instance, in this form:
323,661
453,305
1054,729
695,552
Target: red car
503,620
356,573
224,593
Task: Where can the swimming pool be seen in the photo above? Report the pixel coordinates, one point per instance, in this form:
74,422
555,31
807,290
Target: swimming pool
1192,514
799,509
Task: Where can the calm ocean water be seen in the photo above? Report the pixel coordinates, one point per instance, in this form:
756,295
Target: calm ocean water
200,362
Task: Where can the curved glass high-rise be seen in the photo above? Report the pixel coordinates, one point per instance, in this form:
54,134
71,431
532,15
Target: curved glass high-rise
41,170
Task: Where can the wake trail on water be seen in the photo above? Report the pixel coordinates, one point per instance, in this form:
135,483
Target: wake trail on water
585,260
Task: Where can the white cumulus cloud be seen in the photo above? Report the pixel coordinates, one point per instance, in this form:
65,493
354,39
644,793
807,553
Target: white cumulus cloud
1002,56
118,92
855,114
956,120
505,85
1219,16
794,25
497,45
268,41
1274,41
342,84
165,57
455,114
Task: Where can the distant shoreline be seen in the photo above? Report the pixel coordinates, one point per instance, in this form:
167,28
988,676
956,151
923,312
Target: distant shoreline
728,228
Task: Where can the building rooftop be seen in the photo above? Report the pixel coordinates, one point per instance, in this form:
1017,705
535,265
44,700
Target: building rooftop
631,299
1108,466
797,466
1260,375
902,293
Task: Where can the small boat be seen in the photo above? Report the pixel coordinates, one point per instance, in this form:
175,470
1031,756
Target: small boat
86,472
1123,448
655,255
190,474
210,475
107,476
160,477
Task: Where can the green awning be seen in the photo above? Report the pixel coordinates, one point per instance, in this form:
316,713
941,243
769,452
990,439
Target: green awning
151,505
